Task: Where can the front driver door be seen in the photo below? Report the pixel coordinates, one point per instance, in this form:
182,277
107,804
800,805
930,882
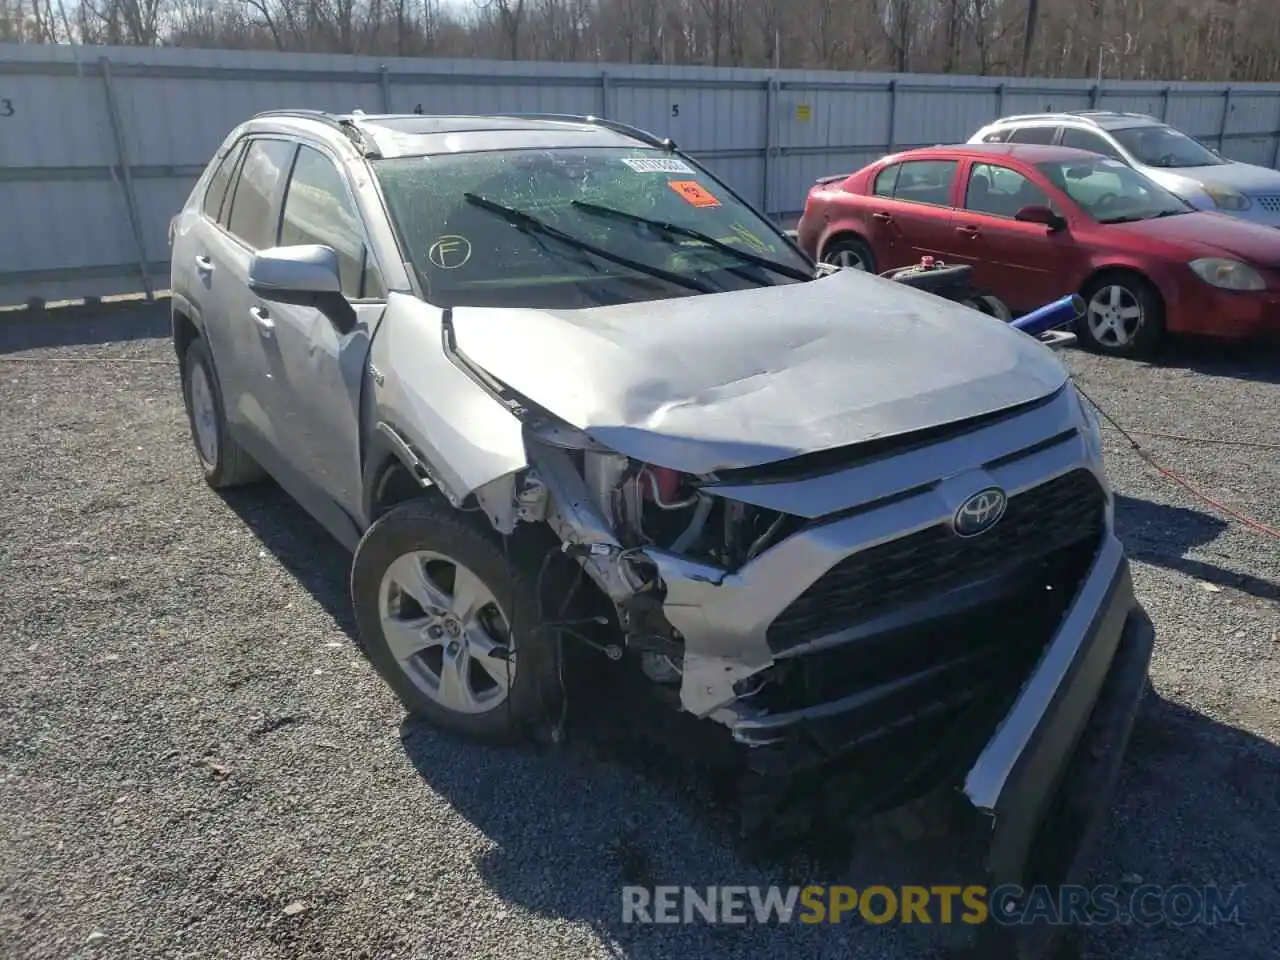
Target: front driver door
1024,264
318,361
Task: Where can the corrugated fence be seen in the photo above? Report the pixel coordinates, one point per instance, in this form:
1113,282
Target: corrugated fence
100,145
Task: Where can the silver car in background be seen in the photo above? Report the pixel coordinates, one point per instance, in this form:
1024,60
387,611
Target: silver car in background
1179,163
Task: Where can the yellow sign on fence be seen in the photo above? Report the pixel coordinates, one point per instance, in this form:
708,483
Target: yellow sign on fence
804,112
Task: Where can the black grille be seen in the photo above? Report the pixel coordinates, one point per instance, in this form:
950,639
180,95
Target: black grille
1037,523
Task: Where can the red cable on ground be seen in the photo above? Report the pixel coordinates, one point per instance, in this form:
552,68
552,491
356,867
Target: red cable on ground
1164,471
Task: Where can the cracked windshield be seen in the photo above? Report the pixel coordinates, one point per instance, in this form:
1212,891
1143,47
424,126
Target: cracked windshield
565,228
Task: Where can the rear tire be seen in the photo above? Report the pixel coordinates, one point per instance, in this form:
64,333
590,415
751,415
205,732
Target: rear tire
451,621
1123,317
223,461
852,252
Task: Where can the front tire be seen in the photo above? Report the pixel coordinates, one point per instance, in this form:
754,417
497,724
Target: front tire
452,623
224,462
1123,317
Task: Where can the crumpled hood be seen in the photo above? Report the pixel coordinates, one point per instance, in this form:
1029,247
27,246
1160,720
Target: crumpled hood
720,381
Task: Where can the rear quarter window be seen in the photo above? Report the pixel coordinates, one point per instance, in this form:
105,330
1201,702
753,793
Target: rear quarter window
886,180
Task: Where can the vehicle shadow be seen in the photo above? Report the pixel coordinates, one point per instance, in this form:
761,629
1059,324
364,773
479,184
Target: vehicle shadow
84,325
570,825
1259,362
302,546
580,830
1161,535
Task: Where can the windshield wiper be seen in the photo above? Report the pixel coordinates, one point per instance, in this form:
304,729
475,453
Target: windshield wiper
675,229
1126,219
526,221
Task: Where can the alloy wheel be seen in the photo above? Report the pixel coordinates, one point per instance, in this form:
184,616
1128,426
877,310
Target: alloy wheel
447,632
1114,315
847,258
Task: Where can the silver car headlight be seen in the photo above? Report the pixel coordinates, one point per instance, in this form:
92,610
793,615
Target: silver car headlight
1091,431
1091,428
1228,274
1227,199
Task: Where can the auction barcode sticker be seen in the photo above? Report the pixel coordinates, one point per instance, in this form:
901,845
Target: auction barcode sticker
657,165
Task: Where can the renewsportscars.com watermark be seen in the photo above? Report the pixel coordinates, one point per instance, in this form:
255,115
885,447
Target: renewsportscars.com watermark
1149,904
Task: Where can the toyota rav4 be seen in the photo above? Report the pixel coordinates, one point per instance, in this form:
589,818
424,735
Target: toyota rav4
551,381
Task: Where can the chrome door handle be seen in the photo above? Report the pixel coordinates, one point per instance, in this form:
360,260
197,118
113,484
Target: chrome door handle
204,264
266,326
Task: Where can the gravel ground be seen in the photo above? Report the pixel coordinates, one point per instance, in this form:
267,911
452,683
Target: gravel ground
195,762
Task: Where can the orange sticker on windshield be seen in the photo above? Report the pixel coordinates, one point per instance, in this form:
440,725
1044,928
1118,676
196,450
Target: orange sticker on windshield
694,193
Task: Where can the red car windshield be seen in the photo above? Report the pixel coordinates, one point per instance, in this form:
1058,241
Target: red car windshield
1112,192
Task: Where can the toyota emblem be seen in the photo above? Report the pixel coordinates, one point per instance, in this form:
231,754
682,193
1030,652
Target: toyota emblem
980,512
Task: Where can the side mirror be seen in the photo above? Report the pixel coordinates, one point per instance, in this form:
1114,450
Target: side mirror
307,275
1043,215
301,275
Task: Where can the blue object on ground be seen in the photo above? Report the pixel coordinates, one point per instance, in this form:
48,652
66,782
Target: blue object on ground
1051,315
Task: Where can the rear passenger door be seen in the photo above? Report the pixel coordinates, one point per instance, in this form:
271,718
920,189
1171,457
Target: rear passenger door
1041,133
911,211
316,361
247,224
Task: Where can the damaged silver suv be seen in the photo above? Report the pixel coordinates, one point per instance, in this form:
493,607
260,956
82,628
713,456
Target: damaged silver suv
549,378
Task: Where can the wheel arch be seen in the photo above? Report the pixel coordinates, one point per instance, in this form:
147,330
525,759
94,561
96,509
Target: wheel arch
185,325
843,232
1122,270
393,473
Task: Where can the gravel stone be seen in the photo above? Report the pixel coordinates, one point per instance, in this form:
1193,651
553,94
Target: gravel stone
190,750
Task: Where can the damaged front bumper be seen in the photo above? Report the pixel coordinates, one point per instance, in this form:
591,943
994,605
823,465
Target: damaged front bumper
1007,666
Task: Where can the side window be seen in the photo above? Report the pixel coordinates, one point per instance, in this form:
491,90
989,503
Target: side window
318,209
997,136
886,180
253,218
926,181
1033,135
1000,191
1088,140
217,189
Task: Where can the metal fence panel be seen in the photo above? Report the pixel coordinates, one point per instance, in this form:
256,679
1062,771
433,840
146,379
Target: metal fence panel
99,146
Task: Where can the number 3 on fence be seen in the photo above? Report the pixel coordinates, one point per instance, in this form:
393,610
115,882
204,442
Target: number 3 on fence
6,107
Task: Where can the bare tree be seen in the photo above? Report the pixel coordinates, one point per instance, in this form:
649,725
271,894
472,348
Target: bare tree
1231,40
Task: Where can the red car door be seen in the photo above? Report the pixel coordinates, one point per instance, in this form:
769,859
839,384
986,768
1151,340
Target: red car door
910,212
1024,264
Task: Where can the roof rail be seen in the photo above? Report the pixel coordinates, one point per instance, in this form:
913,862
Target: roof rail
616,126
348,126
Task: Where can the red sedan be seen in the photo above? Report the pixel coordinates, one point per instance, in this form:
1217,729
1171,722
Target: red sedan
1040,222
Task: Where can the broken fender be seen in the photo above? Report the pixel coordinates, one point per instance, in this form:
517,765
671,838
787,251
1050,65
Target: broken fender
465,438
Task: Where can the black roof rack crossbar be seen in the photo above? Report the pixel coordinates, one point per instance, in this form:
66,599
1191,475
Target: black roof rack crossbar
616,126
346,124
